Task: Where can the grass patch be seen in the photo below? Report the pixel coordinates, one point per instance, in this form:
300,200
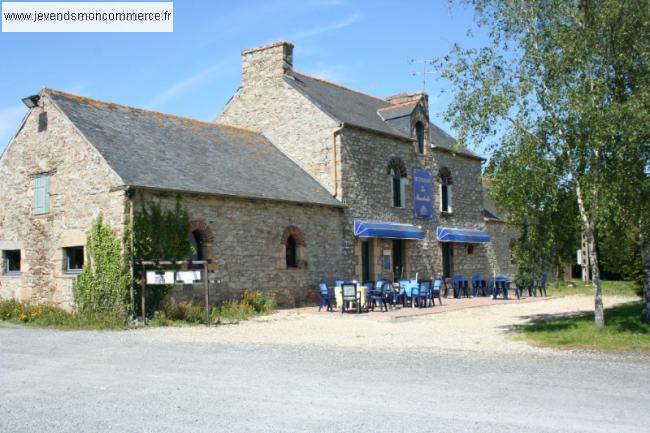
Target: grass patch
578,287
623,331
47,316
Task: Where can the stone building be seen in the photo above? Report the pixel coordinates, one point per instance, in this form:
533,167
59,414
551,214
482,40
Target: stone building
298,179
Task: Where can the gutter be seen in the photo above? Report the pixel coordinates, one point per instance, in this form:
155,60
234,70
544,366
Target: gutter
336,133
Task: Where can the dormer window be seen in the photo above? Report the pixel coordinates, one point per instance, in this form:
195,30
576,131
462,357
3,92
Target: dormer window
419,137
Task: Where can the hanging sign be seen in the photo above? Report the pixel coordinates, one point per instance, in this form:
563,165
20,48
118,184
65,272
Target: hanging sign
387,260
422,193
188,277
158,278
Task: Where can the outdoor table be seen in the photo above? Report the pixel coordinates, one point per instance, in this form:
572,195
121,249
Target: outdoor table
338,294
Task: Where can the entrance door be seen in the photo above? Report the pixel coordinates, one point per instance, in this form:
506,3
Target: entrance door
398,258
447,259
365,261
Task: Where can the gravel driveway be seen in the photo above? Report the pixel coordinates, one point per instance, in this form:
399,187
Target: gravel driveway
303,372
483,329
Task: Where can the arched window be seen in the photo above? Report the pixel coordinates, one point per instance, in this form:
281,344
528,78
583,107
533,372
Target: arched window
397,172
419,137
294,247
291,253
198,244
445,190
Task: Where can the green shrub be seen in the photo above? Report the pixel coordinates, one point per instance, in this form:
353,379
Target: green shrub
251,304
102,286
261,303
49,316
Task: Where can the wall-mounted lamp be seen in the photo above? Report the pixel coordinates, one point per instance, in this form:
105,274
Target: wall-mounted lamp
31,101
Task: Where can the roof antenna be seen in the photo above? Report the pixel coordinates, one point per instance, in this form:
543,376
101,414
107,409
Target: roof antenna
425,62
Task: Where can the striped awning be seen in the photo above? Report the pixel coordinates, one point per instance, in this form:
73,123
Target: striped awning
380,229
467,236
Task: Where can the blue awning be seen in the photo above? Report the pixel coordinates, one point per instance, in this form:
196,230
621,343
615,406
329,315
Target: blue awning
379,229
467,236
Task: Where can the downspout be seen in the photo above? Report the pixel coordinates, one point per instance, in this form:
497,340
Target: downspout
129,197
335,134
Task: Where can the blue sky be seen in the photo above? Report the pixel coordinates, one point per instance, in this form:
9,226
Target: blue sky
193,71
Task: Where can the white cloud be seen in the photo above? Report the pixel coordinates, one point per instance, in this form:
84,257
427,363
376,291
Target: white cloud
201,77
319,30
10,118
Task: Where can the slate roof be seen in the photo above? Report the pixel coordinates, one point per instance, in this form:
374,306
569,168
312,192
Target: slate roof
154,150
397,110
490,210
368,112
343,104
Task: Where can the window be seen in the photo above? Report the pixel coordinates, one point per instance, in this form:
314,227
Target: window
293,242
470,249
42,121
419,136
291,253
11,260
397,173
196,239
73,259
41,188
445,190
397,189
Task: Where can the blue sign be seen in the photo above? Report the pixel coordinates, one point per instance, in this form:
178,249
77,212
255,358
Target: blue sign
422,193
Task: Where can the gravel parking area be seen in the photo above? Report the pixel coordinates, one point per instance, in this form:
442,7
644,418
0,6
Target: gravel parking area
297,371
479,329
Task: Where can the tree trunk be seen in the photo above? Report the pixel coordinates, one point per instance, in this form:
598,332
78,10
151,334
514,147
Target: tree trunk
592,256
645,264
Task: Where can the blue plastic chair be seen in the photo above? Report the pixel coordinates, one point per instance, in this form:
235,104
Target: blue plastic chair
501,285
460,286
376,296
542,285
424,293
326,296
478,285
435,291
405,291
489,287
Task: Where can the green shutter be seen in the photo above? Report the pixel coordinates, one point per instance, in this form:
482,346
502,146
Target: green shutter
41,186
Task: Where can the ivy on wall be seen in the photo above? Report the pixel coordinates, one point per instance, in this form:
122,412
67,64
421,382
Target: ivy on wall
102,286
159,234
162,234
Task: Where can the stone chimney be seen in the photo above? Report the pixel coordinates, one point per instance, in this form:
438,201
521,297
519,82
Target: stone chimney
266,63
401,98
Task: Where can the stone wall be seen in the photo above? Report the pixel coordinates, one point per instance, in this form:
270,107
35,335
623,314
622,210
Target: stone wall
248,247
266,103
502,236
82,186
367,191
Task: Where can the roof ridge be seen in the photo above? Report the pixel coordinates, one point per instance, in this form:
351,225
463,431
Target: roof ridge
87,99
399,104
342,87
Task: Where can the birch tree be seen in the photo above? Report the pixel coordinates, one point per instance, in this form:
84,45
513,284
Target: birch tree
565,82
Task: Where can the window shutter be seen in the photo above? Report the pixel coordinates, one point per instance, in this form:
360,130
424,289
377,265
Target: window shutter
449,198
41,188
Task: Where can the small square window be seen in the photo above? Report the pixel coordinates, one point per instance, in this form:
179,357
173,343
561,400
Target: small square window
11,260
470,249
73,259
